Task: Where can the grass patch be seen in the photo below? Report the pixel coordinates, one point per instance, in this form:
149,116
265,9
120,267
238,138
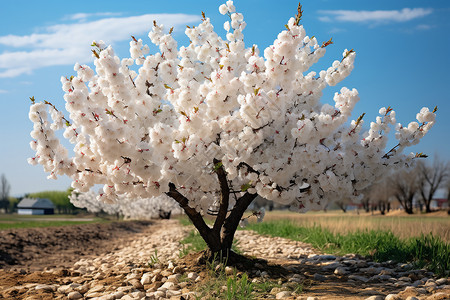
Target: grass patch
402,225
424,251
237,285
192,243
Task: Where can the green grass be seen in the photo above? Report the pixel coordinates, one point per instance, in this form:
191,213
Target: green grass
423,251
237,286
34,221
192,243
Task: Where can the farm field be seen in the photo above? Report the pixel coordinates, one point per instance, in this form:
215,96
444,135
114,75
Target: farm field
399,223
8,221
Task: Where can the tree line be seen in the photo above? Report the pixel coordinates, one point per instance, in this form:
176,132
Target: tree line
414,189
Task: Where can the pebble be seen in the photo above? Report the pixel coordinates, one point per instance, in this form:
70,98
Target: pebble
376,297
146,278
340,271
45,287
282,295
74,296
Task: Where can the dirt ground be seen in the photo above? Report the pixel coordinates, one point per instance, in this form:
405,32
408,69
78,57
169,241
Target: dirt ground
39,249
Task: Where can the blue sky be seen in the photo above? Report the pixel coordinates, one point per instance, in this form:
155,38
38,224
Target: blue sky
402,58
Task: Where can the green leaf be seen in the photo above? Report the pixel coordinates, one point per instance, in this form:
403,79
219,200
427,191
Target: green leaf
218,166
245,187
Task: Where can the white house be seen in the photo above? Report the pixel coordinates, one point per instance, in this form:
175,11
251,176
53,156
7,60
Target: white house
29,206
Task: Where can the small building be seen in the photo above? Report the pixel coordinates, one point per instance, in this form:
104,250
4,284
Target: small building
39,206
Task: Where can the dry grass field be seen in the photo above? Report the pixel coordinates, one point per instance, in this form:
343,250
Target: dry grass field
401,224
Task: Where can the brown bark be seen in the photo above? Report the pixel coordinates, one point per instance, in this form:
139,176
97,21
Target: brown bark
219,237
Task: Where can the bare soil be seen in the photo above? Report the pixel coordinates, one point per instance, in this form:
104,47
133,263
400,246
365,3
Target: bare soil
38,249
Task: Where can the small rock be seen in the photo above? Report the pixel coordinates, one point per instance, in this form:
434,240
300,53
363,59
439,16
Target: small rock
319,277
441,281
136,284
74,295
167,286
412,298
175,278
146,278
229,270
358,278
64,289
118,295
340,271
93,295
392,297
377,297
282,295
82,288
192,275
327,257
45,287
173,293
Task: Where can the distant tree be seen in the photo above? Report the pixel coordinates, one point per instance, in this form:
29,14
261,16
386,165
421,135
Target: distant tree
5,187
448,195
366,200
432,178
381,193
59,198
405,186
342,205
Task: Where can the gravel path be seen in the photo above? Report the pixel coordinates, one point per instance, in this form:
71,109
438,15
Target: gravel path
146,265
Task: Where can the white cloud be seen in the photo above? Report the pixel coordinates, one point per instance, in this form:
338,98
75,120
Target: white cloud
3,91
65,44
375,16
84,16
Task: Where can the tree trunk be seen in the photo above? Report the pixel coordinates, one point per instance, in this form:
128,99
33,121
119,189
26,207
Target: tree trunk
218,238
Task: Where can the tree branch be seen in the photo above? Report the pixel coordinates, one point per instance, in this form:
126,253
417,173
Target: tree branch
194,216
232,221
224,196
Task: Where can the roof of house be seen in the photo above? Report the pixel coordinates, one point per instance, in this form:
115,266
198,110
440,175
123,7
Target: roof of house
37,203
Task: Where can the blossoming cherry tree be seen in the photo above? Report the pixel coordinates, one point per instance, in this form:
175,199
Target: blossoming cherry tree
215,123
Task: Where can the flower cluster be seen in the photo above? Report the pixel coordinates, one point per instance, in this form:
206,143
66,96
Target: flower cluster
259,114
140,209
